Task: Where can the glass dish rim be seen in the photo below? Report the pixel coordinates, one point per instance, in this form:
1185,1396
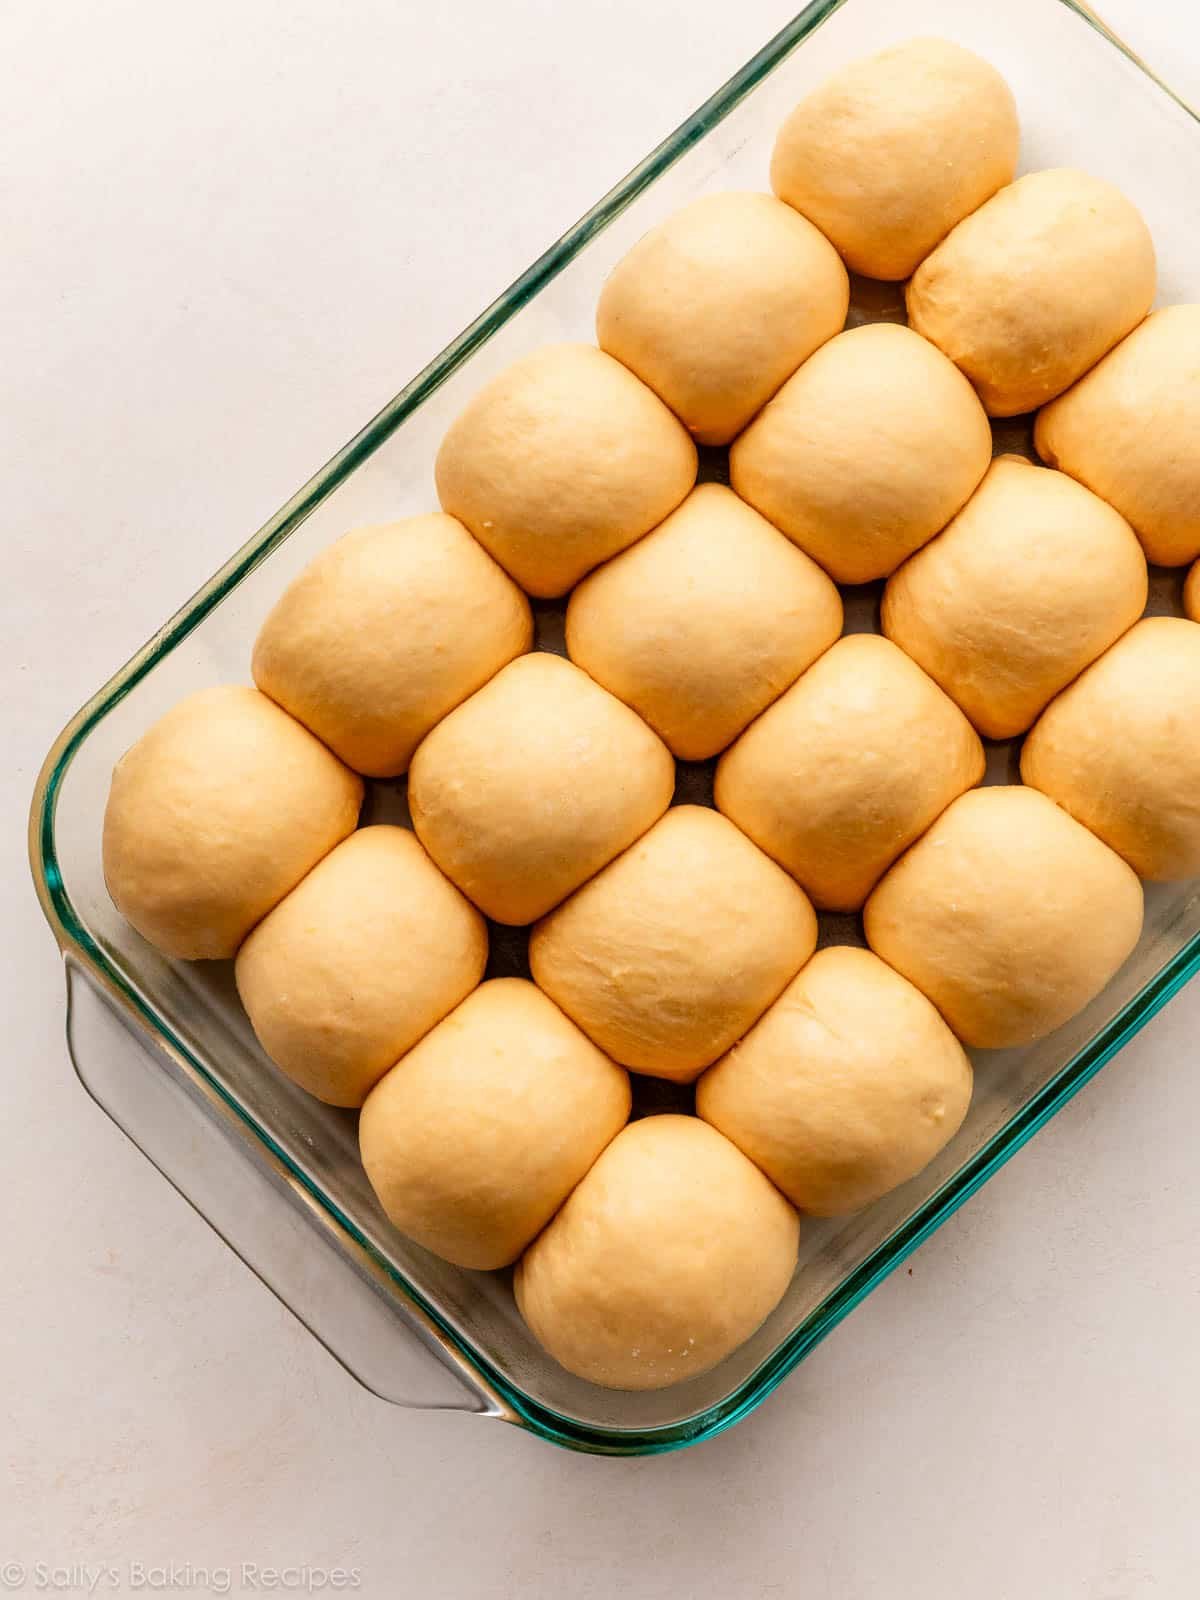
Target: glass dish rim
82,952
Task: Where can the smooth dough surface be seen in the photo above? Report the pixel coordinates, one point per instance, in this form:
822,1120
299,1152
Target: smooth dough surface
1032,580
890,152
672,952
703,622
1032,289
849,1085
866,452
475,1138
1128,429
1191,593
533,784
370,950
386,631
1120,749
1008,915
667,1256
215,813
561,461
845,770
720,303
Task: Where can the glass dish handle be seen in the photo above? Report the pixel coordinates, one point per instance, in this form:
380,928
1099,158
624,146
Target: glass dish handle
262,1214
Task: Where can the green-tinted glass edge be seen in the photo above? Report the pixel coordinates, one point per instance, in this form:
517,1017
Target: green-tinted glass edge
78,946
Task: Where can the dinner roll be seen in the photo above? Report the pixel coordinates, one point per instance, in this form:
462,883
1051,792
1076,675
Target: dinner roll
716,306
848,1086
848,768
889,153
360,960
1120,749
1031,290
703,622
1129,429
561,461
215,813
475,1138
1008,915
866,452
667,1256
672,952
1191,593
1032,580
533,784
386,631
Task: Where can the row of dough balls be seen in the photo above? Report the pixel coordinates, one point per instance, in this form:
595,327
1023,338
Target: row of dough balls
542,778
578,416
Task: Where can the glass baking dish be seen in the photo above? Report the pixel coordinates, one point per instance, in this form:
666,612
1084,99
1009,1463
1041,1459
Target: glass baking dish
164,1046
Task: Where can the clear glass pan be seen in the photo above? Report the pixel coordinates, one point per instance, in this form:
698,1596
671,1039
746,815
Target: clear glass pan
272,1168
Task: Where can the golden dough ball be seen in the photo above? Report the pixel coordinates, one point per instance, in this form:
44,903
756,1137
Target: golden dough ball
561,461
215,813
703,622
673,951
534,784
849,767
720,303
386,631
1191,593
1033,579
367,952
848,1086
475,1138
1032,289
664,1260
1120,749
866,452
1128,430
889,153
1008,915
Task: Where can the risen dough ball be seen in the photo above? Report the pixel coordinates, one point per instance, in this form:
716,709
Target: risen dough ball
848,1086
866,452
889,153
842,774
673,951
1030,291
1008,915
215,813
360,960
385,632
1129,429
1120,749
666,1257
1032,580
1191,593
703,622
719,304
476,1137
560,462
533,784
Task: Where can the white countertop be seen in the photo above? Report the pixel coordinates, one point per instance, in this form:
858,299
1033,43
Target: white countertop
235,229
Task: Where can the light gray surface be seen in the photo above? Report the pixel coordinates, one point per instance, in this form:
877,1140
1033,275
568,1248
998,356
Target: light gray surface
235,230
